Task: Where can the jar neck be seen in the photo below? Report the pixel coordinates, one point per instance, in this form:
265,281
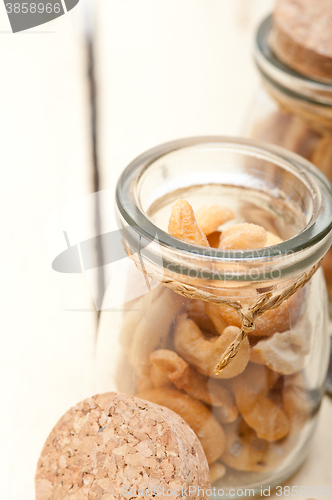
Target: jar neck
315,115
294,85
205,271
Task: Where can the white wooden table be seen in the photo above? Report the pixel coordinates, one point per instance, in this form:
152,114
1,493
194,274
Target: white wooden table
165,70
48,323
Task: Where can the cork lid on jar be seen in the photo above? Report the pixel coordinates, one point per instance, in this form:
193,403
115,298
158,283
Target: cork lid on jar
302,37
114,446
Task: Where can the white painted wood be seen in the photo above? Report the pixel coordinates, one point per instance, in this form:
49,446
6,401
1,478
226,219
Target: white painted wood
48,322
170,69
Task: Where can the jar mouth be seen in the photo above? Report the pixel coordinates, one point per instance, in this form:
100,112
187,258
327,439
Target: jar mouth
291,257
317,188
283,77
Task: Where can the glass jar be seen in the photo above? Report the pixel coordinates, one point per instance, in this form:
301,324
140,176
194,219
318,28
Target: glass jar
257,417
294,112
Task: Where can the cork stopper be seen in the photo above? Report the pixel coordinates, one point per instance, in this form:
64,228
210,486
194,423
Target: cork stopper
113,446
302,37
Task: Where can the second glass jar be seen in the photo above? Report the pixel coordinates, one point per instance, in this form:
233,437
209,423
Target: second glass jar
294,112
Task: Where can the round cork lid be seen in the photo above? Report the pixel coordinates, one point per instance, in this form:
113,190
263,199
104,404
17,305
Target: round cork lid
302,37
114,446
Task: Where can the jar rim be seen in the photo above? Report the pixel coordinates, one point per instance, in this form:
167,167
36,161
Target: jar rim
282,76
317,228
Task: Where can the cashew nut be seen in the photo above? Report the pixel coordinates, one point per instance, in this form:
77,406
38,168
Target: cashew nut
275,320
255,357
258,411
158,378
243,237
204,424
186,378
244,450
209,218
279,353
272,239
217,471
247,452
272,321
260,377
196,311
204,354
169,363
227,413
182,224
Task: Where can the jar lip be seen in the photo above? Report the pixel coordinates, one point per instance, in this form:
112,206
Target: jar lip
318,227
282,76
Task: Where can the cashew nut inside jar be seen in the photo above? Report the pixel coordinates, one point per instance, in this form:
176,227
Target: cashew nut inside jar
225,316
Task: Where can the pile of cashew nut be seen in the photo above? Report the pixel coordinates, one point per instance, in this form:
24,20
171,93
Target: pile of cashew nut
249,416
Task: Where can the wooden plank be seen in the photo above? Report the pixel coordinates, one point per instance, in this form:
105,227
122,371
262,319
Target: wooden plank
48,321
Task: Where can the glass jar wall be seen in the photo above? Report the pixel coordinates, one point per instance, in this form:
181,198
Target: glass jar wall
256,417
